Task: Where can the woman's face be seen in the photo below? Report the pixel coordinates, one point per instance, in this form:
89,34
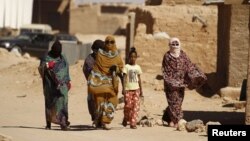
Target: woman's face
109,44
175,44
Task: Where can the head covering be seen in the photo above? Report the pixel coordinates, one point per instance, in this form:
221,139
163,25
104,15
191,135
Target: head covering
97,44
175,47
56,49
110,43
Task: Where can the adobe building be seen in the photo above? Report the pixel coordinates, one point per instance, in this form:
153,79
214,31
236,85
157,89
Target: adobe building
214,36
84,17
218,42
100,18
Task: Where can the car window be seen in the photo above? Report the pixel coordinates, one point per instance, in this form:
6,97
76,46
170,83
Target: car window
39,38
25,37
48,38
44,38
66,37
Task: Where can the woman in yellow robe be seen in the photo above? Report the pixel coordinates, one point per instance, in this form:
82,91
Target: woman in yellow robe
103,82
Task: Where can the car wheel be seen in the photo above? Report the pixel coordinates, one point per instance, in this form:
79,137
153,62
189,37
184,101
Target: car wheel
16,49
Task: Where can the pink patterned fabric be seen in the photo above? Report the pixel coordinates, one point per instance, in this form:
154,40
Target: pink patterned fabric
178,73
132,106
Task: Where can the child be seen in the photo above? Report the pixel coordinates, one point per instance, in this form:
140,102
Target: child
132,90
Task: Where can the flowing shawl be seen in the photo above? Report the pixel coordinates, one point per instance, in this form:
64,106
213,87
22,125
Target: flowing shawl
174,69
101,79
181,72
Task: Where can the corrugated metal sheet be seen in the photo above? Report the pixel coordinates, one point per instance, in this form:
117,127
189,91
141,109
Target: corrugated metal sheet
82,2
15,13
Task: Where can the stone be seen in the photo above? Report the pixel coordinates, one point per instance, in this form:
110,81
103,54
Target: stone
182,125
194,125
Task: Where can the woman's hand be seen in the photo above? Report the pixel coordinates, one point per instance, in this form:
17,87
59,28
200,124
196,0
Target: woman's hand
123,92
69,85
50,64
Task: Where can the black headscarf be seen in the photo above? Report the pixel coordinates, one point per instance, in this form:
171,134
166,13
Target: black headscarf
56,49
96,45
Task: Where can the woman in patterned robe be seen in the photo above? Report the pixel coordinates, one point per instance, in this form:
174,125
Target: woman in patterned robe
178,72
54,70
103,82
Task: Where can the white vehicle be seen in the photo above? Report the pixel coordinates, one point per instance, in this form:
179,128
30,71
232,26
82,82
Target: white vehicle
35,28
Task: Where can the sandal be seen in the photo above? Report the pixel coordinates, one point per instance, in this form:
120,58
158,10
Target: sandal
97,124
65,128
48,126
67,123
124,123
133,127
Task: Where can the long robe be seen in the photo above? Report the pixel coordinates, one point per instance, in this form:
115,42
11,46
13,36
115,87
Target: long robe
87,67
103,84
55,89
178,73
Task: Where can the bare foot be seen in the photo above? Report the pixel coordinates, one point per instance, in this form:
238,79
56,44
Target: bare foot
171,124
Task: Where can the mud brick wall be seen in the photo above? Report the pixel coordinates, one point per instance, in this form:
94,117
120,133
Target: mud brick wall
103,19
199,43
239,44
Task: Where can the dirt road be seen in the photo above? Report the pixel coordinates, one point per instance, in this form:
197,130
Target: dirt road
22,115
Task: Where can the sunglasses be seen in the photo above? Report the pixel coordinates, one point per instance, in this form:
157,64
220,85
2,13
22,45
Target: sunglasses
109,42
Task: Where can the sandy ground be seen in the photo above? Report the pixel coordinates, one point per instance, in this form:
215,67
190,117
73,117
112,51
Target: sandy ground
22,116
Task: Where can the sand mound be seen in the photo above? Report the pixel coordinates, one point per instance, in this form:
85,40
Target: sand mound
9,58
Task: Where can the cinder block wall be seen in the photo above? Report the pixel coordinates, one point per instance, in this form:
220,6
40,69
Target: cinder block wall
239,44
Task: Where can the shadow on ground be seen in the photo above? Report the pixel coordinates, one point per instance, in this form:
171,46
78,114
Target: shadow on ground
222,117
72,127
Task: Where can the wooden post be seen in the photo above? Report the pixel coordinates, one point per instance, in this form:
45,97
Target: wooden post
130,34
